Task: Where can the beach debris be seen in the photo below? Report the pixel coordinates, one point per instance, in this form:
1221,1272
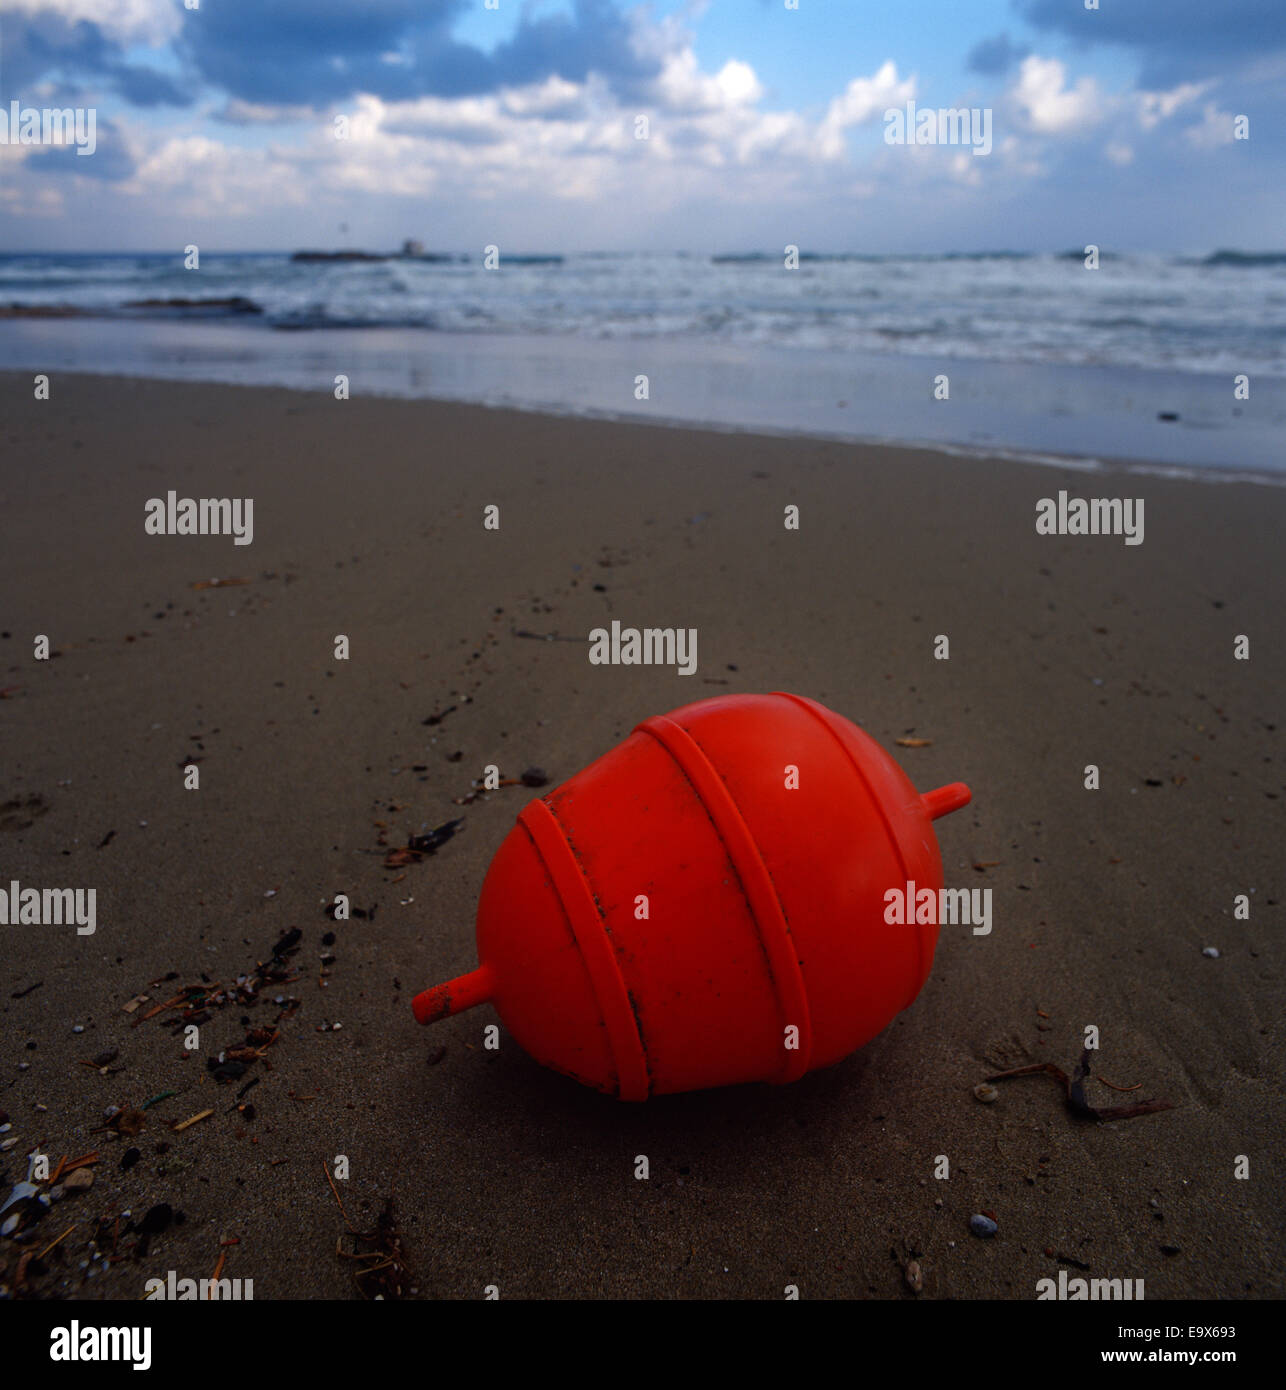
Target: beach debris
982,865
986,1094
135,1004
128,1122
218,583
106,840
56,1241
184,1124
1211,952
1074,1091
417,846
66,1165
544,636
21,1191
914,742
436,1056
530,777
439,717
22,993
982,1226
381,1271
129,1158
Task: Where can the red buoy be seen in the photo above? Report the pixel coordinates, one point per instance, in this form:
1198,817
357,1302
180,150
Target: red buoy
705,904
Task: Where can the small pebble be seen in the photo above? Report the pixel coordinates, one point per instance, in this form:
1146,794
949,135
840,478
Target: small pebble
985,1093
81,1180
914,1277
1212,952
10,1225
78,1028
56,1194
982,1226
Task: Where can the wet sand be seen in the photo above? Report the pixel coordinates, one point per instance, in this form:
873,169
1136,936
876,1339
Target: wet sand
1064,651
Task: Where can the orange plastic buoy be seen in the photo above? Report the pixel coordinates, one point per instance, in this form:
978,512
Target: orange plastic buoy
705,904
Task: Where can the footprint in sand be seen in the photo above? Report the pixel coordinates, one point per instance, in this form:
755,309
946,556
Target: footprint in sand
17,814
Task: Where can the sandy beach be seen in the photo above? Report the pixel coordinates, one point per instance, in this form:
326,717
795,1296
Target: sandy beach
368,522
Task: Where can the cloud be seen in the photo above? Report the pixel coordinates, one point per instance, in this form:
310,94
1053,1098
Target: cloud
1155,107
247,113
112,160
1051,108
1214,129
52,39
1175,39
864,99
150,22
682,87
995,56
320,52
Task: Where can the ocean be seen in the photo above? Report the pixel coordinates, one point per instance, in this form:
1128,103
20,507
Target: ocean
1135,360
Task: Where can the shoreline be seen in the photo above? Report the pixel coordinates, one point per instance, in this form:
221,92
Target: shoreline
1141,417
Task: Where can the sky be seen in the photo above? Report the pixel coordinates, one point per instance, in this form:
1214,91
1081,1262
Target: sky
277,124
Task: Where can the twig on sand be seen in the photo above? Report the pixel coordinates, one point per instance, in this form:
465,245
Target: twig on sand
55,1241
335,1190
1074,1091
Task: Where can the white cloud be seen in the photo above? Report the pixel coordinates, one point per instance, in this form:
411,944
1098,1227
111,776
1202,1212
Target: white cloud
150,22
1214,130
864,99
683,87
1050,107
553,99
1155,107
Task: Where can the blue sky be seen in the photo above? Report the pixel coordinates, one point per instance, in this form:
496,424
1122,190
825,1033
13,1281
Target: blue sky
765,125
